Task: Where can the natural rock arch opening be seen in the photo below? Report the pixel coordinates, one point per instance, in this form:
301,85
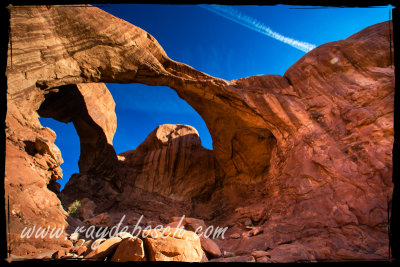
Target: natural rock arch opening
184,171
134,56
77,104
141,108
90,107
333,129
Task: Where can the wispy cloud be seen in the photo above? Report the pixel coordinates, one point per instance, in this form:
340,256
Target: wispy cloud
234,15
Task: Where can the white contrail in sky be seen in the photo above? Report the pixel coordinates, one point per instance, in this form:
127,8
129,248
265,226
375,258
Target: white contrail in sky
249,22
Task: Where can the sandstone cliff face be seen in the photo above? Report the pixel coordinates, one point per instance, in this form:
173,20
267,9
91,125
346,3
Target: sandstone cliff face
307,156
332,116
168,169
32,164
32,159
170,162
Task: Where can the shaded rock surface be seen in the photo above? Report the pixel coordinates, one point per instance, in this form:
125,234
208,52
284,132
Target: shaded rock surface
29,203
312,148
291,253
170,162
86,209
210,247
101,220
90,107
235,259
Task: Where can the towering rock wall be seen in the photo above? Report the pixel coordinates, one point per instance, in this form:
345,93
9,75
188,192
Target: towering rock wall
33,161
170,162
332,116
310,153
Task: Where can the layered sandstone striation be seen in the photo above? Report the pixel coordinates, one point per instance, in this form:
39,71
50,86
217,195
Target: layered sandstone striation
306,157
170,162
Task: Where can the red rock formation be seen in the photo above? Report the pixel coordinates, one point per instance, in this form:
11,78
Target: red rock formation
312,148
28,201
90,107
170,244
170,162
32,159
170,166
130,249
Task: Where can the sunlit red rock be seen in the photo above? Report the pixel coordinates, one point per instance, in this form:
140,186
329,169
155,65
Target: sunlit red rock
307,155
170,162
130,249
172,245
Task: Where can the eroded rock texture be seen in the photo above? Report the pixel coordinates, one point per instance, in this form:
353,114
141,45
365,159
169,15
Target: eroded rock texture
90,107
170,162
306,157
32,159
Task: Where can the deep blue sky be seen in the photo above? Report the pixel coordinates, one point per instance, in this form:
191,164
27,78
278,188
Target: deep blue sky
216,46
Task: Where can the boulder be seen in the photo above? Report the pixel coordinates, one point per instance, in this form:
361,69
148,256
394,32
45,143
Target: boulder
91,245
210,247
104,250
130,249
247,222
260,253
255,230
81,250
172,245
43,146
255,213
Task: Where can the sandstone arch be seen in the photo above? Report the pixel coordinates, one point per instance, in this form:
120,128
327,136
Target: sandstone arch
327,127
90,107
131,55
